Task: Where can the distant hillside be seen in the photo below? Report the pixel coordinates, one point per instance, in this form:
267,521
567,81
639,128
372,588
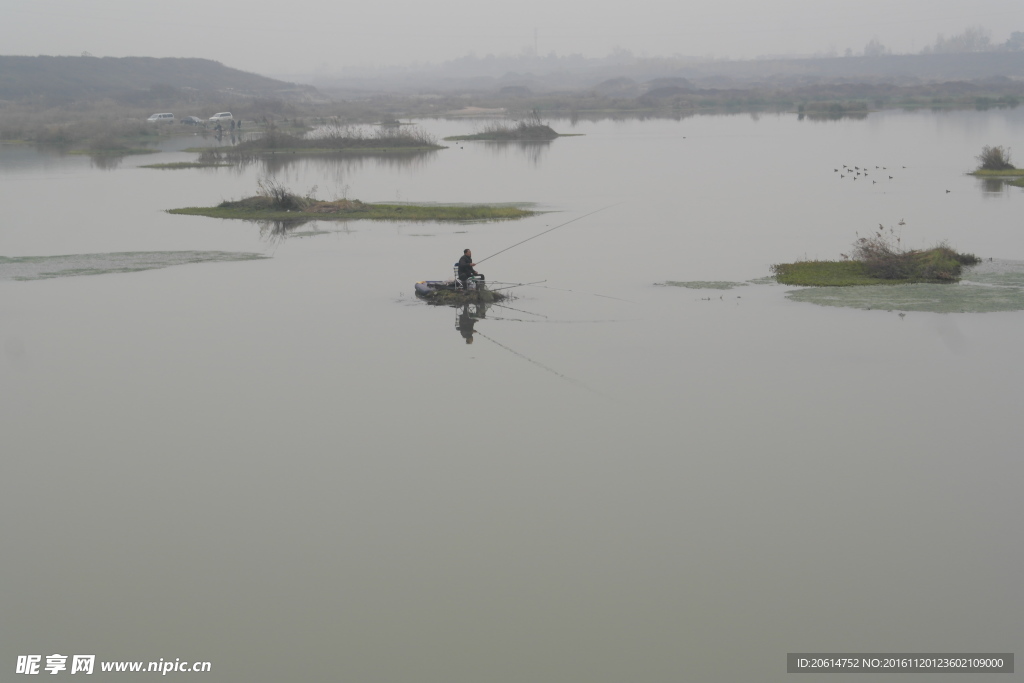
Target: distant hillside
137,80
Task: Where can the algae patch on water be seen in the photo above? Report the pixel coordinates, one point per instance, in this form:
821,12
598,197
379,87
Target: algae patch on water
177,165
997,272
70,265
987,287
702,284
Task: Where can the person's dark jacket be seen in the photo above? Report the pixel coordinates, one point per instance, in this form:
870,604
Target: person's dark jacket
466,267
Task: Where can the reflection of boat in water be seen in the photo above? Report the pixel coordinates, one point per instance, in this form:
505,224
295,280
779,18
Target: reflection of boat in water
469,313
466,319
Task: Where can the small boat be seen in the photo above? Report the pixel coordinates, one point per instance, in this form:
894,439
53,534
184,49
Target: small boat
453,291
428,287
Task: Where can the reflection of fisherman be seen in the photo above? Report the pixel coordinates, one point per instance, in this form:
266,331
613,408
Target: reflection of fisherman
466,269
465,324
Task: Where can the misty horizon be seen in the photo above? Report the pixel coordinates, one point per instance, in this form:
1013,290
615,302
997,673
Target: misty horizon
312,37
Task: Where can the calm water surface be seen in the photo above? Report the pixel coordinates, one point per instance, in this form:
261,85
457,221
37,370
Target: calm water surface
291,468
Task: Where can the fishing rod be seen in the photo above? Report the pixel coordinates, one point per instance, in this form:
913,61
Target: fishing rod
547,231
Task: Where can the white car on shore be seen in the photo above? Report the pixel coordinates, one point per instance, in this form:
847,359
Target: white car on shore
222,117
161,118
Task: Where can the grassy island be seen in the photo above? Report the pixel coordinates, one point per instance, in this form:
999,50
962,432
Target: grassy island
276,203
336,140
510,134
878,260
994,163
532,129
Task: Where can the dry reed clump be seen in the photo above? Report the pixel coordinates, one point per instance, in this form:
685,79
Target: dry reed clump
530,129
272,195
280,197
994,159
212,155
884,257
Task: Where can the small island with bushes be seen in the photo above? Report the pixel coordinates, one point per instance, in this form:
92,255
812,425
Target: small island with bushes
209,158
274,202
994,162
878,260
529,130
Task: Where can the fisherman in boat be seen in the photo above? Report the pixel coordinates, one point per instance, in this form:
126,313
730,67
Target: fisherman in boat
466,267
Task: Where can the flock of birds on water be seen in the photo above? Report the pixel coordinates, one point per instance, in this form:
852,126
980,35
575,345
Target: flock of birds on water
856,172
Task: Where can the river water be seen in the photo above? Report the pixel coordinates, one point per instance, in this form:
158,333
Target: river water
260,450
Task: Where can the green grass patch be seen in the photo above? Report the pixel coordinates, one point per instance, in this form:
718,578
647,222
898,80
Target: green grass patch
702,284
1006,173
826,274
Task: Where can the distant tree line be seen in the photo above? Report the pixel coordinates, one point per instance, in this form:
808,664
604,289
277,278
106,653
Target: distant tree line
973,39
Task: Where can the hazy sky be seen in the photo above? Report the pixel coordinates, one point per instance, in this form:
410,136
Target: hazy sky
280,37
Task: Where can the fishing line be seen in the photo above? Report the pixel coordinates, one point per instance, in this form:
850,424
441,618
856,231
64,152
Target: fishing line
574,291
559,322
549,230
517,284
519,310
568,379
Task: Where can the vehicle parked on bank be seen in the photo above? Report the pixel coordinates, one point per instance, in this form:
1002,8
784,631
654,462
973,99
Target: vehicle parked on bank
161,118
222,117
192,121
